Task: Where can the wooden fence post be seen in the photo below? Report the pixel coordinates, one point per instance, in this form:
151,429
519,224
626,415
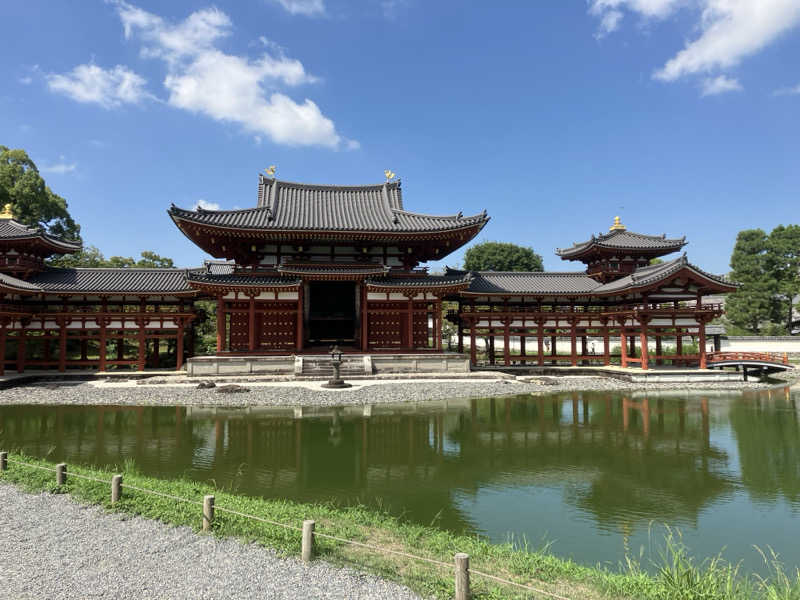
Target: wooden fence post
116,488
208,512
3,461
462,576
61,474
307,552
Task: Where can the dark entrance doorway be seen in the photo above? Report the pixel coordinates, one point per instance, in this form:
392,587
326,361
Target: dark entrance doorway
332,312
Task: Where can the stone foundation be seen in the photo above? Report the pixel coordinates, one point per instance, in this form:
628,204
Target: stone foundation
318,366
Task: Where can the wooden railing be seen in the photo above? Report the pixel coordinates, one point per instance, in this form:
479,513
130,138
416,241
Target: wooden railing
774,357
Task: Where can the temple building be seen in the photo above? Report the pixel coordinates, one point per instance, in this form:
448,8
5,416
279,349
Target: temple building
315,265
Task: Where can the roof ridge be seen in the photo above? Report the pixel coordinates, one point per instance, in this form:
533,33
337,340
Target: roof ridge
374,186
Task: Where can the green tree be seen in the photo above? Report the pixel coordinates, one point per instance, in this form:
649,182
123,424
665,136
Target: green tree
90,256
783,265
33,202
151,260
502,256
753,304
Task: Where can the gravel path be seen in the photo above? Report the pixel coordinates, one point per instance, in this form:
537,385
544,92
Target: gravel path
52,547
149,392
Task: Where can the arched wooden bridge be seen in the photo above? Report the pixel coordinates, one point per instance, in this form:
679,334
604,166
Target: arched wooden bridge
765,362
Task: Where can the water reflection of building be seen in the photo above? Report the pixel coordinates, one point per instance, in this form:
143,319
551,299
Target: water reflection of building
625,461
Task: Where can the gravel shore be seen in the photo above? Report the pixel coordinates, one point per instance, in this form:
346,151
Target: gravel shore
168,392
52,547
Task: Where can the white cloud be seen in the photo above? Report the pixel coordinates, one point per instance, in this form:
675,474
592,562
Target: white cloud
26,80
788,91
92,84
712,86
303,7
391,8
60,168
205,204
203,79
609,22
729,30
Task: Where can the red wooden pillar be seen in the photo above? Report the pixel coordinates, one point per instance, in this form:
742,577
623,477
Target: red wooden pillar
220,324
21,349
251,323
522,350
507,341
606,346
410,329
623,347
540,342
473,357
701,340
643,340
101,350
573,358
3,348
84,348
300,333
437,319
179,346
121,348
364,318
62,345
659,350
156,345
460,334
142,355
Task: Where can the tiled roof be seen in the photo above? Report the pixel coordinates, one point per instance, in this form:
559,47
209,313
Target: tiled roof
521,282
13,230
333,269
215,267
624,240
298,206
9,282
644,276
450,279
120,281
236,279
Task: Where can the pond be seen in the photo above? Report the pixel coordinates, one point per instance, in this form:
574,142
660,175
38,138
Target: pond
591,473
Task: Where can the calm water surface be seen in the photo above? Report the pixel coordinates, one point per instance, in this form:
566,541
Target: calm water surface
588,472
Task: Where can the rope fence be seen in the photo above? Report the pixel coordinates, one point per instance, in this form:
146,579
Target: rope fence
462,568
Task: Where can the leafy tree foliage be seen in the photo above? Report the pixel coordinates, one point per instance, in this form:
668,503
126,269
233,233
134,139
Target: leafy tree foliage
768,268
33,202
90,256
502,256
783,264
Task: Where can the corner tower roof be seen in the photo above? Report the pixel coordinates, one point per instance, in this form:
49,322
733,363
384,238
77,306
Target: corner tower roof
619,239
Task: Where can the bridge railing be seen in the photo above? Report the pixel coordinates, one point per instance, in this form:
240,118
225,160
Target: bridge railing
774,357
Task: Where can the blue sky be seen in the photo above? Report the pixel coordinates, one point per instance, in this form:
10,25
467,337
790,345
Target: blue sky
681,116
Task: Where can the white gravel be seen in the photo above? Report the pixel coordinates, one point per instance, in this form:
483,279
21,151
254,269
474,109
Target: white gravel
165,391
52,547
